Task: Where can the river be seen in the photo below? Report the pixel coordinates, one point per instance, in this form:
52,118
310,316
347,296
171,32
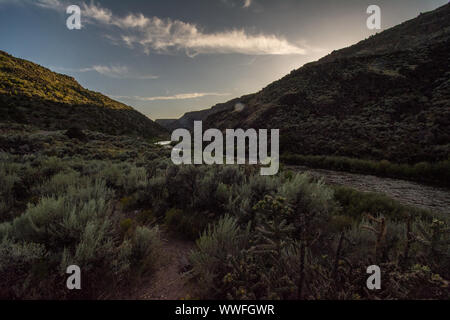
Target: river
406,192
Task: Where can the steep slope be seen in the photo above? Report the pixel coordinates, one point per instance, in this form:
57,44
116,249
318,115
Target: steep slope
387,97
35,95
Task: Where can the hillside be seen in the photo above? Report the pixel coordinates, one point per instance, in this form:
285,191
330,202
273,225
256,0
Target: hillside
32,94
387,97
187,120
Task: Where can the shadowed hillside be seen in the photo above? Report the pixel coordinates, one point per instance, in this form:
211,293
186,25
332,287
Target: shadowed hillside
387,97
32,94
187,120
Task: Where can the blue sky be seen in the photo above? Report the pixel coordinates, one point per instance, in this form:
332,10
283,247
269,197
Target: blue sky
168,57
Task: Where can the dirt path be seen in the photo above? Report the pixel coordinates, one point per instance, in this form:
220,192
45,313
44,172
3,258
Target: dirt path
168,282
406,192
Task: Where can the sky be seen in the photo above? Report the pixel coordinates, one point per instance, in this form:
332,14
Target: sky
165,58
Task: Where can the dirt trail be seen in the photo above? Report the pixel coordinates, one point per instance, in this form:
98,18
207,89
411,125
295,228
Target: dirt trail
168,283
406,192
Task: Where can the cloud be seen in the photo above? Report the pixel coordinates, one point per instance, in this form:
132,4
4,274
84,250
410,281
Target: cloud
47,4
51,4
167,36
96,13
238,3
182,96
117,72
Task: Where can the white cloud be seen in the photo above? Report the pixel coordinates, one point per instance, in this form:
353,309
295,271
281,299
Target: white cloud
117,72
97,13
156,35
166,35
49,4
53,4
238,3
247,3
182,96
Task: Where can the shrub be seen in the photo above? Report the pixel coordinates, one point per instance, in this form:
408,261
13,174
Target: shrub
77,226
187,224
75,133
355,204
18,263
215,247
146,249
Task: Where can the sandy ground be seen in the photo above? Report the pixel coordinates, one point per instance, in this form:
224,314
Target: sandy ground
168,282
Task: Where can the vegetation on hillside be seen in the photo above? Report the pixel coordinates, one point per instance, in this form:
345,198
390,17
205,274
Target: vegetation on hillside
386,98
32,94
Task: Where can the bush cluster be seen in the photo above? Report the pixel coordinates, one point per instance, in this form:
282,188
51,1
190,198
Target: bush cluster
57,212
283,237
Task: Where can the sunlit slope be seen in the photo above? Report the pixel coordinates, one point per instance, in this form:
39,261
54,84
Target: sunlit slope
35,95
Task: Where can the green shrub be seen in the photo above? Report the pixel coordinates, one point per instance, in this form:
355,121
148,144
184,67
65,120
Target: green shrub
215,247
146,249
355,204
187,224
126,226
77,226
18,263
